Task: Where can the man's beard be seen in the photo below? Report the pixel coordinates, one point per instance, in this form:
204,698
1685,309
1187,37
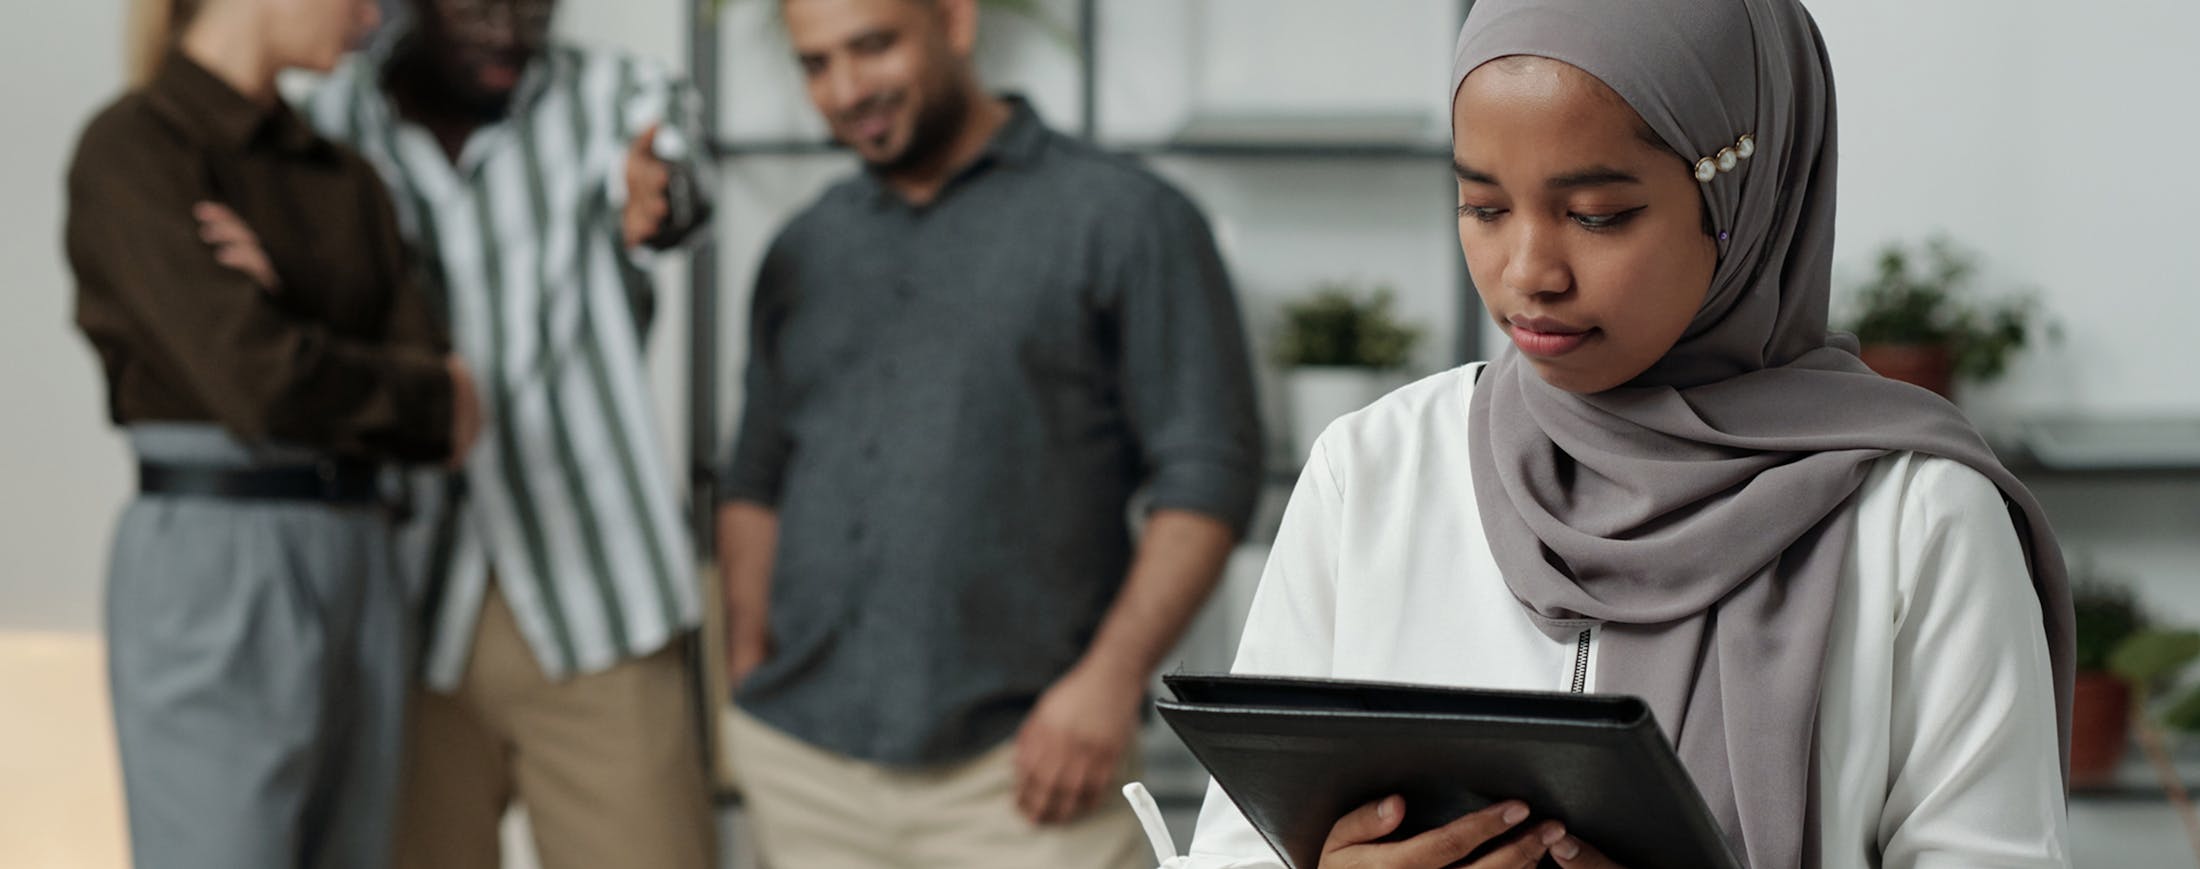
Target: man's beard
946,109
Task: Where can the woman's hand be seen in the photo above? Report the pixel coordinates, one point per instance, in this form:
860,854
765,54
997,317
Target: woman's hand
235,244
1352,842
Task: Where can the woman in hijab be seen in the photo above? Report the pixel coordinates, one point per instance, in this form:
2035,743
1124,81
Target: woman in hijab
257,640
1850,620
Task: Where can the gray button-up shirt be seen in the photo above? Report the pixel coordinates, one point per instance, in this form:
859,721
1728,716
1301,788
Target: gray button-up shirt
950,407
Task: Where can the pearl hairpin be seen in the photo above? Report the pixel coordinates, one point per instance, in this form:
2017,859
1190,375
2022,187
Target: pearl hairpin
1727,160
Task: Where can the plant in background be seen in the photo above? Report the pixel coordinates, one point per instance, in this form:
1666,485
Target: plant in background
2154,661
1343,327
1916,298
2107,615
2101,703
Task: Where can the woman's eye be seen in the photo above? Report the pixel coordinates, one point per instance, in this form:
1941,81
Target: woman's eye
1485,215
1612,220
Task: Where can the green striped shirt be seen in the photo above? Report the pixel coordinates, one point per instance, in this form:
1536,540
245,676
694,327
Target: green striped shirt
567,495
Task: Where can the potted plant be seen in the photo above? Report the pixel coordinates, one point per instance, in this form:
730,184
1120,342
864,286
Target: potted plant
2153,662
1341,349
1916,326
2107,617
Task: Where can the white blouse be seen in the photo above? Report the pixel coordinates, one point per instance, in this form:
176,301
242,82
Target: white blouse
1937,740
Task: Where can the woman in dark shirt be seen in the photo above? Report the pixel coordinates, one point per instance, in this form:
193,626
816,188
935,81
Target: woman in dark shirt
256,627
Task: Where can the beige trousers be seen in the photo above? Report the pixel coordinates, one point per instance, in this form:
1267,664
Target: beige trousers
812,809
606,763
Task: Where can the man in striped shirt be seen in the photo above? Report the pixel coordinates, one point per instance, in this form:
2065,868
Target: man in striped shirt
531,178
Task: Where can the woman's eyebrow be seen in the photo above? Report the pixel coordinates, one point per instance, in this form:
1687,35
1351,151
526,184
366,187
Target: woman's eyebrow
1589,176
1473,175
1592,176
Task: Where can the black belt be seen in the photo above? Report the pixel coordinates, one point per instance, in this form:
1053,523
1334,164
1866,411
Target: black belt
343,482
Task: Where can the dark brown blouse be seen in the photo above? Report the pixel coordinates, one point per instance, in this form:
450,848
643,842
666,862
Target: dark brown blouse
343,355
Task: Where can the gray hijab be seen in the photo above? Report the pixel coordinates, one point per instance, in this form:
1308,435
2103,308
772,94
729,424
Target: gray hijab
1700,513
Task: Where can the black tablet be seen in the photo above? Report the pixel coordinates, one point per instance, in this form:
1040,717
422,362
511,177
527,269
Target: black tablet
1297,754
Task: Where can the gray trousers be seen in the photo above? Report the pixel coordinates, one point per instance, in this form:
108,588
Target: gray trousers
258,654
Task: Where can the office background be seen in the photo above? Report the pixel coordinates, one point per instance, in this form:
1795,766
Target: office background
2051,138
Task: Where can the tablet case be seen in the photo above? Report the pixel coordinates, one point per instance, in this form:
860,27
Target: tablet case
1297,754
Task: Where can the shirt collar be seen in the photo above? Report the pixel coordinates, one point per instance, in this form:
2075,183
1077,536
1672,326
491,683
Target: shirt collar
1020,138
217,115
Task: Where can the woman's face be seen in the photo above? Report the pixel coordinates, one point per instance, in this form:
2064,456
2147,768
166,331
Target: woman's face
315,34
1584,237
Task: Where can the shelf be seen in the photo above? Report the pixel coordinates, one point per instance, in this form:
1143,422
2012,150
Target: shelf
2137,782
2023,463
1248,150
2028,468
725,149
1284,150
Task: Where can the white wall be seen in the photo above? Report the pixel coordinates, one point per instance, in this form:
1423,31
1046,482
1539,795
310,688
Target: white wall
62,471
2053,139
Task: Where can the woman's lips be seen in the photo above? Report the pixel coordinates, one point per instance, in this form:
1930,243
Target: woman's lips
1546,338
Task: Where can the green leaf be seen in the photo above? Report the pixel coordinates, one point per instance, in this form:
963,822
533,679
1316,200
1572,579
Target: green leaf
2184,714
2106,615
2150,657
1339,325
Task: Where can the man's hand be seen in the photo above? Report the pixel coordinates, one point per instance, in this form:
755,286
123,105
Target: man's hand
748,537
235,244
1068,751
746,651
647,181
1071,748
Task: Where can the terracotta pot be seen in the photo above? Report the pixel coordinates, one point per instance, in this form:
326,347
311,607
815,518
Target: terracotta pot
2100,730
1927,365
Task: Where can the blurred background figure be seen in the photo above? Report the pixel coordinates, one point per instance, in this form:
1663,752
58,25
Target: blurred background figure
1309,135
560,593
964,360
257,635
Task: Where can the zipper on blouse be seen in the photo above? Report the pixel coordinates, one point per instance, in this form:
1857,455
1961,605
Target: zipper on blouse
1581,663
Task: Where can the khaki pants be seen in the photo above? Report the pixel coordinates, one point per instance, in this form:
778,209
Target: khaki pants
606,763
812,809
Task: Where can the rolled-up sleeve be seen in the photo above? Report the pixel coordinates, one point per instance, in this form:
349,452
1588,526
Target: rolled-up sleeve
756,464
1186,378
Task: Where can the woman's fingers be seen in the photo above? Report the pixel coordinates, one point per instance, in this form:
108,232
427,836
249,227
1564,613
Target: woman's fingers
1524,849
1573,853
1365,824
1452,842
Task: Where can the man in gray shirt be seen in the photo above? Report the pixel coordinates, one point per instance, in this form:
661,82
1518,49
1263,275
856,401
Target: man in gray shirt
964,361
